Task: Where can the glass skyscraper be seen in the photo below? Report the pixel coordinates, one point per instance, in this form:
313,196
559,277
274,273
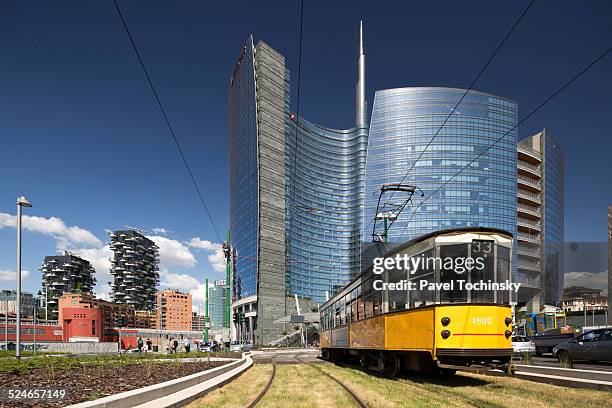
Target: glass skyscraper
403,122
325,173
296,192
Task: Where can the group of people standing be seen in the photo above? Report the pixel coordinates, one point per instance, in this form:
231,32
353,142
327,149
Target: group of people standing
147,347
174,344
144,347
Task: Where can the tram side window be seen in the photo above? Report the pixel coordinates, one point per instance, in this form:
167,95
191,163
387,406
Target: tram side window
348,303
360,309
423,297
336,314
354,305
377,302
397,298
448,274
342,311
503,272
367,298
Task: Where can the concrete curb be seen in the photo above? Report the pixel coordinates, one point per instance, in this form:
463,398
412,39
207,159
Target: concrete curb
153,395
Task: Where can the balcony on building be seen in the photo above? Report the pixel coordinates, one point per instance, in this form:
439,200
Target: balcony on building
529,198
529,211
528,154
524,264
529,226
529,169
526,237
527,280
529,183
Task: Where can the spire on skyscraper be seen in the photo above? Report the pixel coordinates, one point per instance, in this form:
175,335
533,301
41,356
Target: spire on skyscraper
360,102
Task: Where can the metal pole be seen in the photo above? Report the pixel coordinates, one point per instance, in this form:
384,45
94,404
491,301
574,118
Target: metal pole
228,281
34,329
206,314
385,236
18,297
6,322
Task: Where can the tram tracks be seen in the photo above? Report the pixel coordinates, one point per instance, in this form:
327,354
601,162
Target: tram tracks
355,398
266,388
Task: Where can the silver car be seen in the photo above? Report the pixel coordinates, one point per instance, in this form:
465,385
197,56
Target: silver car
521,344
236,345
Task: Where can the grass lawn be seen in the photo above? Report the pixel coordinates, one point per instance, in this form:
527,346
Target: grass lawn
300,385
295,385
464,390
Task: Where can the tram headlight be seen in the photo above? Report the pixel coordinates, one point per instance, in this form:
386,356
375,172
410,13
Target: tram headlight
445,334
445,321
507,320
507,333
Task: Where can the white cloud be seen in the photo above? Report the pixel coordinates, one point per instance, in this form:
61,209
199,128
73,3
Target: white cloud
64,235
160,230
100,260
103,291
173,253
11,276
217,258
587,279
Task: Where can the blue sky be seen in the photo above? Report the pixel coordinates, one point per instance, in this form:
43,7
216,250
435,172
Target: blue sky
83,139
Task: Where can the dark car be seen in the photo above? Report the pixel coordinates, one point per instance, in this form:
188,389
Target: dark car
594,345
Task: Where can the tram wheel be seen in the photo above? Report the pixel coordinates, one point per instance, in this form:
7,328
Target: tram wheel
364,362
392,365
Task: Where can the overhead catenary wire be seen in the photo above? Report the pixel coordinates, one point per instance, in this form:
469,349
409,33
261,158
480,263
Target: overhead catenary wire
536,109
469,88
167,120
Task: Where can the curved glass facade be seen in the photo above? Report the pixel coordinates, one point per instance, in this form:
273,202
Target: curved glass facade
554,175
324,190
404,120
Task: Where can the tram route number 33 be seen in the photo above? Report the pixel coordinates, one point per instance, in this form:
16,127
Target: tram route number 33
482,320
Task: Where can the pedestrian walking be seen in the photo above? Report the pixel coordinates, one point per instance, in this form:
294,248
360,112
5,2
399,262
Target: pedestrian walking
186,344
140,343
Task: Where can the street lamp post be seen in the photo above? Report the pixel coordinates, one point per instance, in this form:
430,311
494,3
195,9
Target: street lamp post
21,202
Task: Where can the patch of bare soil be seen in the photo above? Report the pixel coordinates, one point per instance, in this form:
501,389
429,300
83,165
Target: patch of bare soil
92,382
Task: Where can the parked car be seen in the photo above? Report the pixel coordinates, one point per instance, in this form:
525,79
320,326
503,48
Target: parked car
594,345
236,345
206,347
248,345
521,344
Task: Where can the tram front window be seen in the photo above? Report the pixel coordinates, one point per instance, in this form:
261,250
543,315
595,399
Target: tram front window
450,275
503,273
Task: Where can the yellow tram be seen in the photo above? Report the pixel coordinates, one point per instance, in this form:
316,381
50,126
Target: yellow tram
460,317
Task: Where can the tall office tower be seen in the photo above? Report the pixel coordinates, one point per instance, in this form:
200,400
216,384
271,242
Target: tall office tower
325,179
174,310
134,267
65,274
404,121
540,220
217,304
609,259
295,192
